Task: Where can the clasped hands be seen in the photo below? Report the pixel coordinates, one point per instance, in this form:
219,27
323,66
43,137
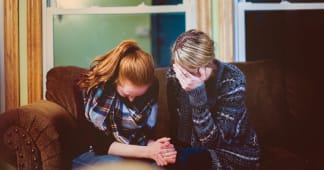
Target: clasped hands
162,151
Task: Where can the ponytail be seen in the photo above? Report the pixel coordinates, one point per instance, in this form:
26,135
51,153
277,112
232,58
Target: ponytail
126,56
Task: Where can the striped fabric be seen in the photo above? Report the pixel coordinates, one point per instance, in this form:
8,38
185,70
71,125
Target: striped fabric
109,113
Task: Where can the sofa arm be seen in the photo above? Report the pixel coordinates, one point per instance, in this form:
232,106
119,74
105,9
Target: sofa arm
37,136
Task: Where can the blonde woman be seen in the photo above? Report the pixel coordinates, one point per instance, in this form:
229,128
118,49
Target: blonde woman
210,126
119,94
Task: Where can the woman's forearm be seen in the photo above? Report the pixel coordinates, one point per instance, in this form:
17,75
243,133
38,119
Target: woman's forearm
161,151
202,117
125,150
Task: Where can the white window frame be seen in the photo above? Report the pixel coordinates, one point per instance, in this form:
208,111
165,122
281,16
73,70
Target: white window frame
242,6
188,7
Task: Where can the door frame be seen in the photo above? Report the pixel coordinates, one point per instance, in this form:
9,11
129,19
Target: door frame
2,74
11,53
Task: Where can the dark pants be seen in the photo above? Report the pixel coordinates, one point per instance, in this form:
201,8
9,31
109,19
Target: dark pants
194,158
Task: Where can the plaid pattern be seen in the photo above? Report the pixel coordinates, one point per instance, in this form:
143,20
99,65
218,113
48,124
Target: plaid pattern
110,114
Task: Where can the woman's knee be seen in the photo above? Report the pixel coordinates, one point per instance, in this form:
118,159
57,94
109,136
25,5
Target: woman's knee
194,158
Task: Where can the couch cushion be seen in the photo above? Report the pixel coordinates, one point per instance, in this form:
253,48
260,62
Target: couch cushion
305,91
265,99
163,126
273,158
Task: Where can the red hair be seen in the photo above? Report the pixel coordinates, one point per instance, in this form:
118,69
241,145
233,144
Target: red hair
125,62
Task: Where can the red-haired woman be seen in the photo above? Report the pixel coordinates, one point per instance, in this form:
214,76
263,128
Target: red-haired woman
119,94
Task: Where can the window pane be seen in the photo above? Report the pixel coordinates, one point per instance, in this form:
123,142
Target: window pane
294,36
79,38
109,3
263,0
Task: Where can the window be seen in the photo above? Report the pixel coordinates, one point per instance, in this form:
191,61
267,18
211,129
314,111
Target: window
79,30
278,29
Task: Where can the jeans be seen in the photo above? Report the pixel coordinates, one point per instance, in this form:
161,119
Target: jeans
192,158
89,159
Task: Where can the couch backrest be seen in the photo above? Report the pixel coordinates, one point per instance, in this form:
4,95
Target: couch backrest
60,86
265,96
162,127
265,99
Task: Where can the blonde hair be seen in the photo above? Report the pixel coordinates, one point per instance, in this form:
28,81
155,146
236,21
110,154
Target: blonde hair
125,62
193,49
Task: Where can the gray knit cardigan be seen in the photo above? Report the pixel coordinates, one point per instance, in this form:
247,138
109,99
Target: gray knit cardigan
214,115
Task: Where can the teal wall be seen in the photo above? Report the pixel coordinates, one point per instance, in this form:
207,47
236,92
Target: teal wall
23,52
79,38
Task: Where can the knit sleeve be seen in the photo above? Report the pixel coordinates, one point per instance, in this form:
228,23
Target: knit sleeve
173,89
171,102
222,123
102,143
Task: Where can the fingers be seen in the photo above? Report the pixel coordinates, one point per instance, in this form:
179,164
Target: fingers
166,153
163,151
182,72
203,74
170,156
179,71
160,161
169,146
181,76
171,159
163,139
169,152
186,80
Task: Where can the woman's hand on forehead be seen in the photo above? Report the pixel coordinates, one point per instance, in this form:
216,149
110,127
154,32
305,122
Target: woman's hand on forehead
180,70
186,79
200,72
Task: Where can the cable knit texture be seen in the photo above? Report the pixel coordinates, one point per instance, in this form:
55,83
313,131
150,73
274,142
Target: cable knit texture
214,115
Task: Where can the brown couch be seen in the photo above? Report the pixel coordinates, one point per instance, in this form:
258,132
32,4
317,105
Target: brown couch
48,134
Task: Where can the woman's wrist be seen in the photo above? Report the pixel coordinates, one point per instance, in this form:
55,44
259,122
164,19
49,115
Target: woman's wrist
147,152
198,96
